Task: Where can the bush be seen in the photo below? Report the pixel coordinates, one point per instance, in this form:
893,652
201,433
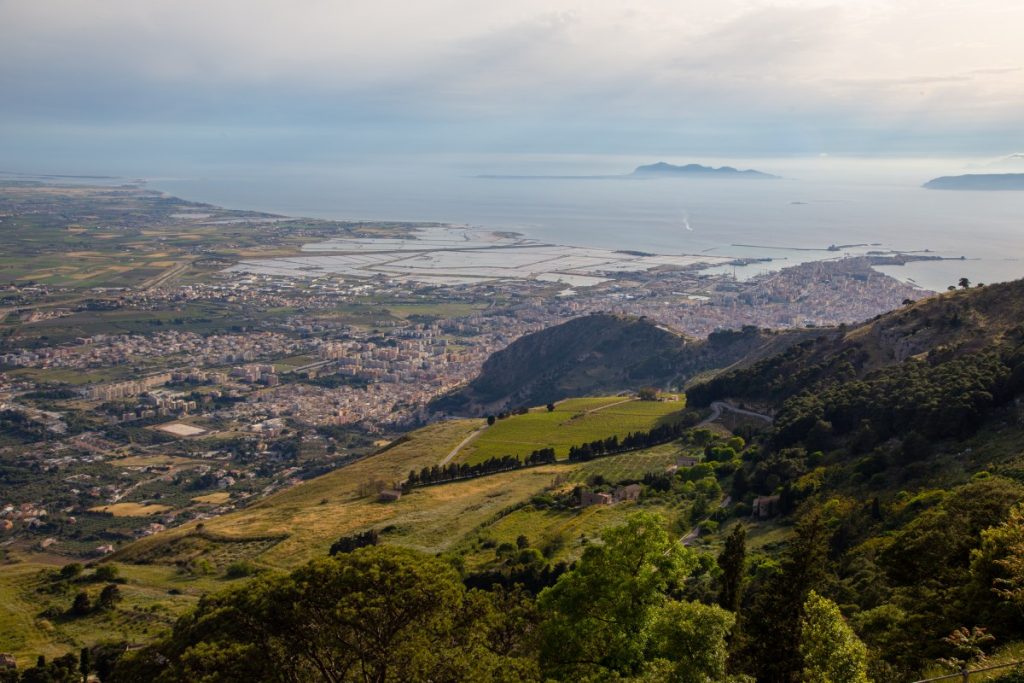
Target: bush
240,569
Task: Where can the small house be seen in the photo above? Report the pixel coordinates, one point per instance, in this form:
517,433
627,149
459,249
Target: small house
624,493
765,506
588,498
687,461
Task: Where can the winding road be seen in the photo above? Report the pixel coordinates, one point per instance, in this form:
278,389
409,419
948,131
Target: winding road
718,406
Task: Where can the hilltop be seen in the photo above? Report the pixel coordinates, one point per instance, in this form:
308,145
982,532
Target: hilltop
601,353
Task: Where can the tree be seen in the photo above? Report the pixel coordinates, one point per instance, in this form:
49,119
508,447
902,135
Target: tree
597,618
109,596
106,572
491,420
1010,536
732,561
85,664
771,627
551,407
831,651
694,637
648,393
378,614
81,604
964,283
72,571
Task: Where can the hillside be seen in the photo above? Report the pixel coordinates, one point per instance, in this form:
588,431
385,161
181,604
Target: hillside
935,330
885,483
601,354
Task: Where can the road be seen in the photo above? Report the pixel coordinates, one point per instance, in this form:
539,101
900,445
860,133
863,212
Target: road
695,531
462,444
718,406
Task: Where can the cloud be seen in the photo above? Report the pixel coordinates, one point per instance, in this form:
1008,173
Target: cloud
596,67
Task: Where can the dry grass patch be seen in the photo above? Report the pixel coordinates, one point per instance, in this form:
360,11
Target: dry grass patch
131,509
213,498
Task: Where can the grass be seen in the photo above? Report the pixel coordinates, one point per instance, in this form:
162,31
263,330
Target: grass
214,498
565,533
131,509
433,309
32,622
573,422
315,513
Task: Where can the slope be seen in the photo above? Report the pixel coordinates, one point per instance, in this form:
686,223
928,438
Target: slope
601,354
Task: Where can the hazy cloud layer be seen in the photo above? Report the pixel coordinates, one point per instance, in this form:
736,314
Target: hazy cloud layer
580,75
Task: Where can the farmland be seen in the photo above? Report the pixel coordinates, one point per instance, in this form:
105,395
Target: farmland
632,465
572,422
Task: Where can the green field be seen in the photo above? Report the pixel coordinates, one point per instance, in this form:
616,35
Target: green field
573,422
632,465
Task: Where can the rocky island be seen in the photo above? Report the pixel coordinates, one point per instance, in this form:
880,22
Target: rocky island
663,169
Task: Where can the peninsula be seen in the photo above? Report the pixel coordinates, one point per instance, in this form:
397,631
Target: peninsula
978,181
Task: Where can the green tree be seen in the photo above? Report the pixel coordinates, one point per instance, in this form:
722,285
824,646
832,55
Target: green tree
106,572
85,663
1010,535
81,605
771,627
109,596
732,561
964,283
71,571
831,651
597,617
694,638
377,614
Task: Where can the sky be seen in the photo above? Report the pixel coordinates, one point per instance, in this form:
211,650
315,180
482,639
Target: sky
294,80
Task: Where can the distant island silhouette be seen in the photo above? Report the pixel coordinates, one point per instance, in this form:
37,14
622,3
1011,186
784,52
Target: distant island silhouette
665,169
978,181
660,169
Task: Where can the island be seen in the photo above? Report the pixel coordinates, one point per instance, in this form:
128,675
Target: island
660,169
663,169
978,181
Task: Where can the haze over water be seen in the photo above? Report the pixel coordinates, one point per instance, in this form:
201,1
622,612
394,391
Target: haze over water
817,203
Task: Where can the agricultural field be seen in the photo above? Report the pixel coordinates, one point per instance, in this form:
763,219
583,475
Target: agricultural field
312,515
573,422
131,509
633,465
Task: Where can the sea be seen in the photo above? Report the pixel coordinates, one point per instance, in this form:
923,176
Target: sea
853,205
